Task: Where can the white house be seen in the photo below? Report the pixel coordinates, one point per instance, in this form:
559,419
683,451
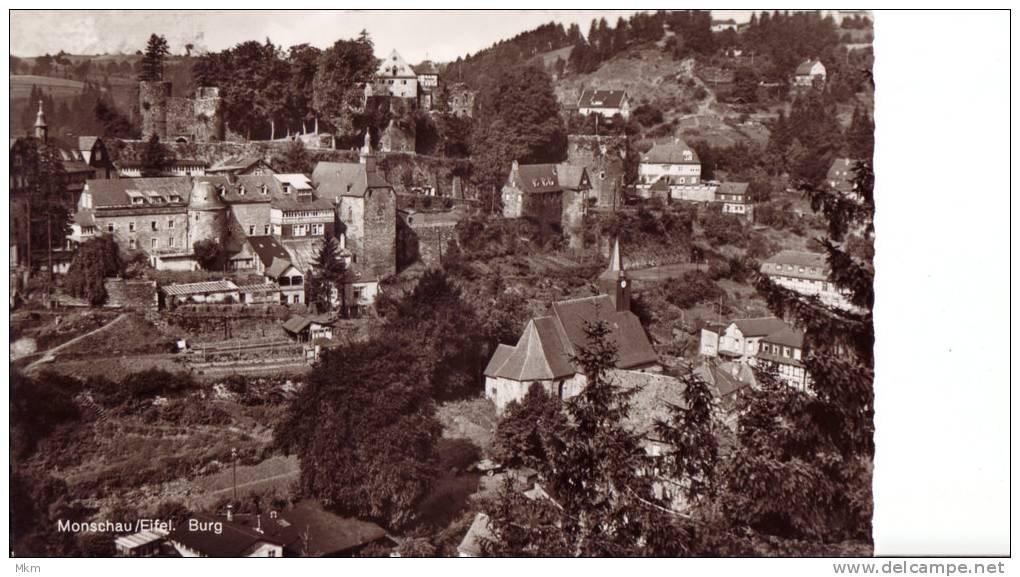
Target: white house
806,273
604,102
809,71
677,162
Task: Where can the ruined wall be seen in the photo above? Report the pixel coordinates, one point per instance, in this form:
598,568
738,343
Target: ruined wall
397,138
134,295
604,157
152,101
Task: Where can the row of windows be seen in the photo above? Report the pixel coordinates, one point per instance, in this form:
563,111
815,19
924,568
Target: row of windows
153,225
777,350
792,280
789,267
153,242
302,229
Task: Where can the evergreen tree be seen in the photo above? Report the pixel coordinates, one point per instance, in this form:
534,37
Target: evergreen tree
156,159
860,138
156,51
328,274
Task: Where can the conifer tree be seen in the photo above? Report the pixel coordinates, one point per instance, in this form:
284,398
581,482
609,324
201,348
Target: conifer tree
156,51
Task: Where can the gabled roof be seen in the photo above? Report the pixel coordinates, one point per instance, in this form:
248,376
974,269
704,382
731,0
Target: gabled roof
786,336
238,163
197,288
336,179
798,258
573,177
538,356
234,539
274,257
759,327
115,191
86,143
670,153
602,98
296,324
479,531
536,178
804,68
394,66
633,346
737,188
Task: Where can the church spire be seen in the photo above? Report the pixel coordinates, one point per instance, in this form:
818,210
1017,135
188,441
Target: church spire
366,156
614,282
41,129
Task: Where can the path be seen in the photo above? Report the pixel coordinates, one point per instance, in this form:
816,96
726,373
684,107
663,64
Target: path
240,486
49,355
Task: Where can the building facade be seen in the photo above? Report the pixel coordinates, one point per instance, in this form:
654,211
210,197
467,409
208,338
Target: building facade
676,162
806,273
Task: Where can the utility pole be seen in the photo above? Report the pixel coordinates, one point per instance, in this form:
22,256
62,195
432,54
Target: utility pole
233,455
49,247
28,237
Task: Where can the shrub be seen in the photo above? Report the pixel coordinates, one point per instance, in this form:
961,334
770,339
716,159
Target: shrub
695,287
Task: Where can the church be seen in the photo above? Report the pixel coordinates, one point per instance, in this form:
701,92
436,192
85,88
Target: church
545,351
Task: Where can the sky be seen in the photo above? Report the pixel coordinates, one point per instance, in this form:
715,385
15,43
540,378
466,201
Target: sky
438,35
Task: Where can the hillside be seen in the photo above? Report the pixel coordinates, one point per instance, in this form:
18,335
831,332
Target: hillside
651,76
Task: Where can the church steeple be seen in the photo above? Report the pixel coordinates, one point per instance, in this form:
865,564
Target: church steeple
366,156
614,281
41,129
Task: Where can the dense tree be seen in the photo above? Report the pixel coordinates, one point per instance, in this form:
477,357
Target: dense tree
114,124
364,429
517,119
156,51
37,406
209,254
95,259
295,158
327,275
860,137
530,429
303,61
337,90
156,157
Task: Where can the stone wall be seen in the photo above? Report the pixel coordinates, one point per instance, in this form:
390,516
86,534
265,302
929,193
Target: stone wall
134,295
604,157
198,119
380,232
134,230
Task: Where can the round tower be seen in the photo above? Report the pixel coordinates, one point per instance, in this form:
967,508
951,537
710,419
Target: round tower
207,214
152,100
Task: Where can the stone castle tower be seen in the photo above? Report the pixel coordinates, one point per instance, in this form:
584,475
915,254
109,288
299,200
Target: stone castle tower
614,281
198,119
207,214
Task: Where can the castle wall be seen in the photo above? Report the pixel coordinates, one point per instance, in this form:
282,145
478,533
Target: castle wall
603,156
380,232
170,118
153,97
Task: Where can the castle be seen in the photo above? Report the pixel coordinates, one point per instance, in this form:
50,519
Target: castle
176,119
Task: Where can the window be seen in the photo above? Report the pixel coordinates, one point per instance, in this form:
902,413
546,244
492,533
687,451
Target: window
317,229
266,229
300,230
251,230
170,223
133,244
109,227
297,299
154,243
155,226
196,217
170,241
131,227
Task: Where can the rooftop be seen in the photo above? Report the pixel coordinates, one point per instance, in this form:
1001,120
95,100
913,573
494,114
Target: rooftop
677,152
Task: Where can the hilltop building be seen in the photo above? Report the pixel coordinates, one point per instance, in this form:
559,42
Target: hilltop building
603,158
734,198
757,342
608,103
552,194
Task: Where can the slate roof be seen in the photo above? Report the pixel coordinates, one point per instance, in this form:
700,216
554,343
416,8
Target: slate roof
540,355
602,99
759,327
633,347
296,324
537,178
237,163
786,336
195,288
797,259
328,534
670,153
737,188
720,376
336,179
273,255
114,192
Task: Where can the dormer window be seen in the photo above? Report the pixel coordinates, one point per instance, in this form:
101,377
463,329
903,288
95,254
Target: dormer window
286,189
175,198
265,189
688,155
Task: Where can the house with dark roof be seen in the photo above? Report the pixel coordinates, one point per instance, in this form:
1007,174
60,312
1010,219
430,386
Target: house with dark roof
783,350
734,198
274,262
808,72
308,328
245,164
605,102
306,530
674,163
545,351
552,194
366,208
